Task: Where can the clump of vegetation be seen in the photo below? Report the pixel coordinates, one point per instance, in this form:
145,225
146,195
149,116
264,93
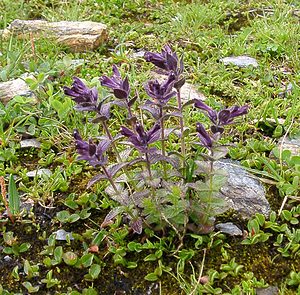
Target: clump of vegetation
182,192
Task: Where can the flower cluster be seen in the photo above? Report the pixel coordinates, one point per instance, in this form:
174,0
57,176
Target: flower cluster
121,88
141,138
91,152
85,98
219,119
168,61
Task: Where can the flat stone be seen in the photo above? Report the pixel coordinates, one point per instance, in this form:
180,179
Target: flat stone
32,142
78,36
61,235
138,54
242,61
12,88
229,228
39,172
267,291
290,144
242,192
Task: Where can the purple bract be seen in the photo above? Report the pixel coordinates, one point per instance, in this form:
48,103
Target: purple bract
85,97
161,92
121,88
141,138
91,152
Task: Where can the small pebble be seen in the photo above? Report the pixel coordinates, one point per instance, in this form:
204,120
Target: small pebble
242,61
39,172
32,142
61,235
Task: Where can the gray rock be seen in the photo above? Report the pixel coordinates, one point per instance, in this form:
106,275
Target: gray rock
290,144
12,88
7,258
138,54
242,61
78,36
242,192
39,172
229,228
32,142
267,291
61,235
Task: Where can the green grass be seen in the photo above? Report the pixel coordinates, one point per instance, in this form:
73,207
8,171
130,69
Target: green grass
204,31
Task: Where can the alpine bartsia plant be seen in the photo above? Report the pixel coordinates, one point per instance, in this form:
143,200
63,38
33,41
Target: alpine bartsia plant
144,174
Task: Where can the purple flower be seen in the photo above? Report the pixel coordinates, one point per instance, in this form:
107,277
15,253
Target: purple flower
223,117
85,97
121,88
91,152
161,93
204,137
141,138
168,60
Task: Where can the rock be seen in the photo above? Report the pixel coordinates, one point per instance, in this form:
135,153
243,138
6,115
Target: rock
39,172
287,91
290,144
243,192
242,61
27,205
188,91
32,142
7,258
267,291
78,36
61,235
229,228
138,54
10,89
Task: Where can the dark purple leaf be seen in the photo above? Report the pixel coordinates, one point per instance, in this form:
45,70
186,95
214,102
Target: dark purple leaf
114,169
154,158
137,225
95,179
152,110
138,197
112,214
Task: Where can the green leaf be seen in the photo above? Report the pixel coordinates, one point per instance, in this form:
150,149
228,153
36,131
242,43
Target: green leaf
63,216
131,264
73,218
30,288
152,277
15,273
87,259
94,271
13,196
24,247
70,258
150,257
260,218
58,252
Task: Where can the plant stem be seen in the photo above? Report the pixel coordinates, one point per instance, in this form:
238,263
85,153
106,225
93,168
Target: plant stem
110,180
181,126
111,139
163,147
210,193
148,166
